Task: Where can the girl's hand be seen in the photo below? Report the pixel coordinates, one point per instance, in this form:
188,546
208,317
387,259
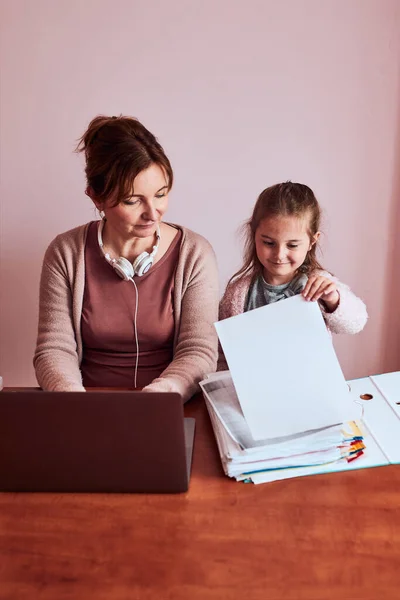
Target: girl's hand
323,289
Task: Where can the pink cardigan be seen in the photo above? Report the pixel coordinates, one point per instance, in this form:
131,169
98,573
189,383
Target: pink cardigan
58,352
349,317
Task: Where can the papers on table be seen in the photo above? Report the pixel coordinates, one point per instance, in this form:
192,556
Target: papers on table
285,410
242,456
284,369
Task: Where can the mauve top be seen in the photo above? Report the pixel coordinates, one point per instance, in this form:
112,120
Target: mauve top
108,316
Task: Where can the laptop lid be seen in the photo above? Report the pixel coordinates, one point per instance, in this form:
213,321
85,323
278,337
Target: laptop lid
100,441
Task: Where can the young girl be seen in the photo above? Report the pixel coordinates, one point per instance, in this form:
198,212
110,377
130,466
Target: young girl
280,261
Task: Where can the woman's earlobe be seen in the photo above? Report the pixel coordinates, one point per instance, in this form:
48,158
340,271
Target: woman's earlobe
98,205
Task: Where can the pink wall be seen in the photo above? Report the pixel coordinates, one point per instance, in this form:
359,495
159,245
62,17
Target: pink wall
242,95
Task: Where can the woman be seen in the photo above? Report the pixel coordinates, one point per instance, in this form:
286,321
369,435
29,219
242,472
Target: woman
130,300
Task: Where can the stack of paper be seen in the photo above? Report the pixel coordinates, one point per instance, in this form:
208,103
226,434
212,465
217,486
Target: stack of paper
243,457
284,405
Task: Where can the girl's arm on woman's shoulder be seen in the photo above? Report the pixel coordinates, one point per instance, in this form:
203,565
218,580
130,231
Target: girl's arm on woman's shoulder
351,315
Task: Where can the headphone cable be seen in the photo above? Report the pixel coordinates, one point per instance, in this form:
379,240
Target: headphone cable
136,335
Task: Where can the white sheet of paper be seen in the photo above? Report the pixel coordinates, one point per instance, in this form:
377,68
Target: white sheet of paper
219,391
285,369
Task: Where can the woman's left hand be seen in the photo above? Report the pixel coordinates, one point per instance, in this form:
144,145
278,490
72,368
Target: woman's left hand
323,289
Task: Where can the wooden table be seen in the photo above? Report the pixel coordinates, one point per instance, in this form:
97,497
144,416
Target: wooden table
327,536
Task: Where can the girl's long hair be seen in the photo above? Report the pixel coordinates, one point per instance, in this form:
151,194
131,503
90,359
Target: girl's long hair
280,200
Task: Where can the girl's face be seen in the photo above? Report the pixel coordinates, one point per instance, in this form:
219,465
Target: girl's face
141,213
282,244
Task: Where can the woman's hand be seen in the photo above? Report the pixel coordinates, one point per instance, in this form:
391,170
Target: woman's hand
322,289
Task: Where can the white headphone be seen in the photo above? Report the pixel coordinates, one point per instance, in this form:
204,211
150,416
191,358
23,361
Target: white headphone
122,266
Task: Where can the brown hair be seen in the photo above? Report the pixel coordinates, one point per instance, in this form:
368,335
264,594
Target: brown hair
117,149
282,199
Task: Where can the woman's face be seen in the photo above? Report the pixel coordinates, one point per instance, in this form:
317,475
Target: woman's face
141,213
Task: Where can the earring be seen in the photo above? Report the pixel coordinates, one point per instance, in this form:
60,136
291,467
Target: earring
102,214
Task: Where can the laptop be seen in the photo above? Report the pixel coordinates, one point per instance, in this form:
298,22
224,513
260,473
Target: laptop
100,441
